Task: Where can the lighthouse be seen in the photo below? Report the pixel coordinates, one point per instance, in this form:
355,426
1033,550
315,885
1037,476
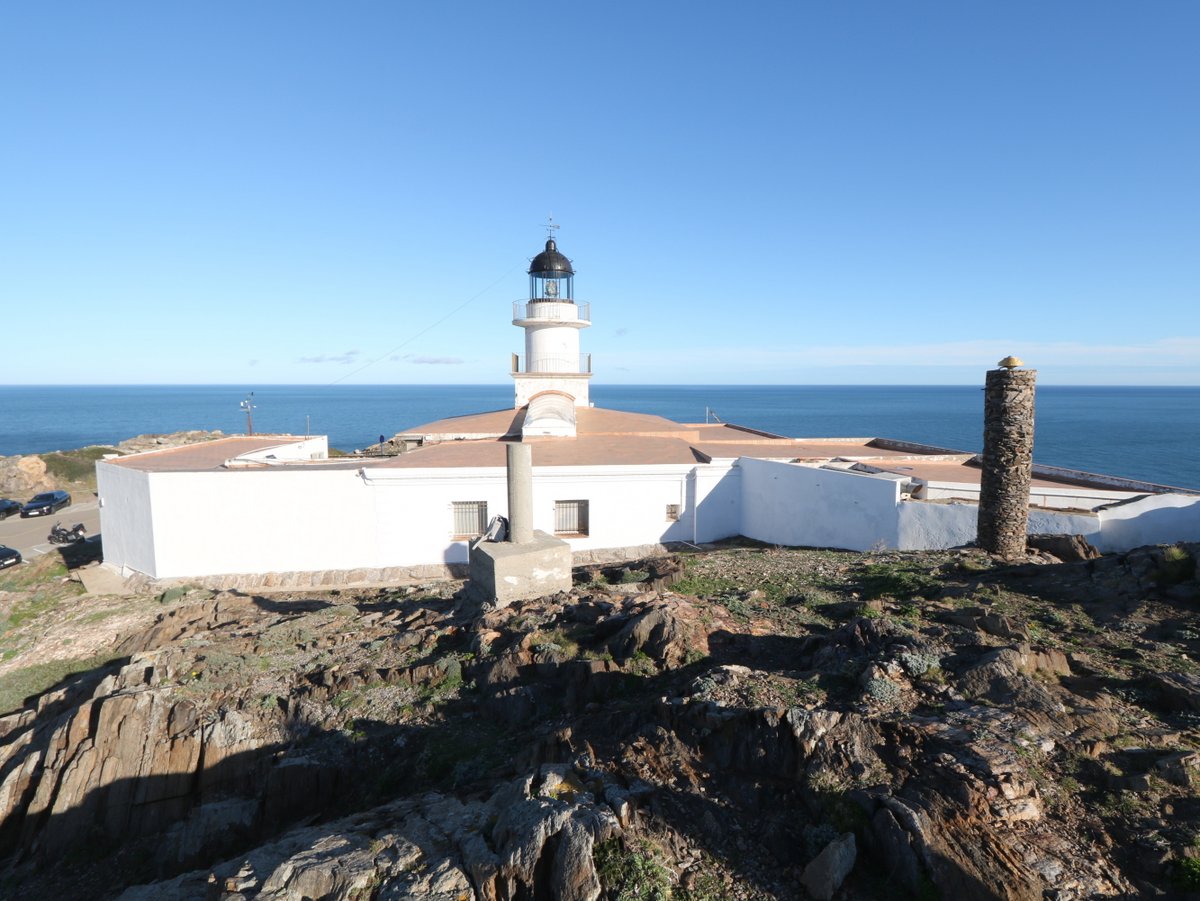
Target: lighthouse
552,366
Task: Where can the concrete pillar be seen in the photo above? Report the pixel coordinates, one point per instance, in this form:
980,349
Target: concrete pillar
1007,459
520,493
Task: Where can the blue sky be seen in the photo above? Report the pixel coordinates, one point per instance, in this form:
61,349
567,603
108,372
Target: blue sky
795,193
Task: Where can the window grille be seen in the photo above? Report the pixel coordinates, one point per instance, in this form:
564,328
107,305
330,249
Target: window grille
672,512
470,518
571,517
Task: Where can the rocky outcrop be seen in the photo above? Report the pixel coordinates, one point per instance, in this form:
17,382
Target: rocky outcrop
174,439
23,477
774,740
526,840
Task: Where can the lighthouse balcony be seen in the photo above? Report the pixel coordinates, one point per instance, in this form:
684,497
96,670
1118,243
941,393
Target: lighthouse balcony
580,364
561,312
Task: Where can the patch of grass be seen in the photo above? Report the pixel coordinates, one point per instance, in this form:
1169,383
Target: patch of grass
629,576
898,580
1178,565
77,465
33,573
20,684
449,681
631,874
702,586
707,886
737,607
641,664
555,641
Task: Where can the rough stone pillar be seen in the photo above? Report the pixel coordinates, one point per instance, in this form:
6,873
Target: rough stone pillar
520,493
1007,460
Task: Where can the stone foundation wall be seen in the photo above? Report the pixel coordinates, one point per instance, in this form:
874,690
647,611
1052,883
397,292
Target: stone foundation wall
368,578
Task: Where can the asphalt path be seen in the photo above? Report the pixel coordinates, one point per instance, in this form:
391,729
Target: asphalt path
29,535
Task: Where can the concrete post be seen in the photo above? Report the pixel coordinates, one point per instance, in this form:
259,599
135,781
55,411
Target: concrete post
520,493
1007,461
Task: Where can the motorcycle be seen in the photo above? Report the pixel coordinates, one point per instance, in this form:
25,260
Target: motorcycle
60,535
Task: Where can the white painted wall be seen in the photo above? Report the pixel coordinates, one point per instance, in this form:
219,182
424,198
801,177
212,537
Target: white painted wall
1151,519
627,505
1042,496
793,504
126,523
529,384
929,526
714,509
247,521
337,517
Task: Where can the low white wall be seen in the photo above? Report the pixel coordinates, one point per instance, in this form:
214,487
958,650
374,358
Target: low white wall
793,504
126,524
930,526
1039,495
1152,519
714,510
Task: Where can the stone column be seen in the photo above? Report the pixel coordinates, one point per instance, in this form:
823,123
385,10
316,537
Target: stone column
520,493
1007,460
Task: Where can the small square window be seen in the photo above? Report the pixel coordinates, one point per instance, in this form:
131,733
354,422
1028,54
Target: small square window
672,512
470,518
570,517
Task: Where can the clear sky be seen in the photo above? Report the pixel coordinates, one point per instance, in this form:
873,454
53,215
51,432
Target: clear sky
798,193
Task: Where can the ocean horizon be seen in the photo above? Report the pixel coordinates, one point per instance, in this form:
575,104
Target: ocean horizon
1141,432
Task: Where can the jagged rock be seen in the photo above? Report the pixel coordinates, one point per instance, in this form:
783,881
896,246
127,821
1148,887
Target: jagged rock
895,847
1181,768
22,477
661,634
1067,548
825,874
1178,691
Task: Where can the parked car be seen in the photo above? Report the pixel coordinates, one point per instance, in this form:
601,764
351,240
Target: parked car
9,556
8,508
46,503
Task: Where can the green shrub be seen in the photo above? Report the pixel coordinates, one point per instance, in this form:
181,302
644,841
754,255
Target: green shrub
1187,874
629,874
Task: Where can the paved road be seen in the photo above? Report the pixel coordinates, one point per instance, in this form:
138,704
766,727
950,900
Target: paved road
29,535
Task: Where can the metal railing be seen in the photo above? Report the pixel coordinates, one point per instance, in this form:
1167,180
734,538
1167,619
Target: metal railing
550,309
580,365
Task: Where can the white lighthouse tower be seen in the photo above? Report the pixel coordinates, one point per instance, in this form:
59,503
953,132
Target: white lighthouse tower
552,371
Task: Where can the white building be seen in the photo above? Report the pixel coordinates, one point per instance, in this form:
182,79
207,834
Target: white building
278,510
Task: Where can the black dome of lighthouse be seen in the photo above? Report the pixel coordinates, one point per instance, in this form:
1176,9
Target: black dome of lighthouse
550,263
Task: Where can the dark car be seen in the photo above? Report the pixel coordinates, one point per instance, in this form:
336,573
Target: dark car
8,508
9,556
46,503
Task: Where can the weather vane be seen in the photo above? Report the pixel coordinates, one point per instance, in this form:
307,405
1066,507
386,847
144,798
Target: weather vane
550,226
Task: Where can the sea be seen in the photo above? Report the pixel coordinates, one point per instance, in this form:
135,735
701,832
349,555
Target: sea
1149,433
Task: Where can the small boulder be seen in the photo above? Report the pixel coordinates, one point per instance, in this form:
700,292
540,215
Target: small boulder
825,874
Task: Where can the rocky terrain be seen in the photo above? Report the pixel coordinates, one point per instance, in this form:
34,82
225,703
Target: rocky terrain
23,476
745,723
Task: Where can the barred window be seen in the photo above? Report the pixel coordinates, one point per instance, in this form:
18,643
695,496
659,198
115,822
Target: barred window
571,517
470,518
672,512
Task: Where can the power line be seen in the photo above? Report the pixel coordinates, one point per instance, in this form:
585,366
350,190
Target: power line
425,330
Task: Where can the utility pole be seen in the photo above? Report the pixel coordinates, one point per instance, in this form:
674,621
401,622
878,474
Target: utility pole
248,408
